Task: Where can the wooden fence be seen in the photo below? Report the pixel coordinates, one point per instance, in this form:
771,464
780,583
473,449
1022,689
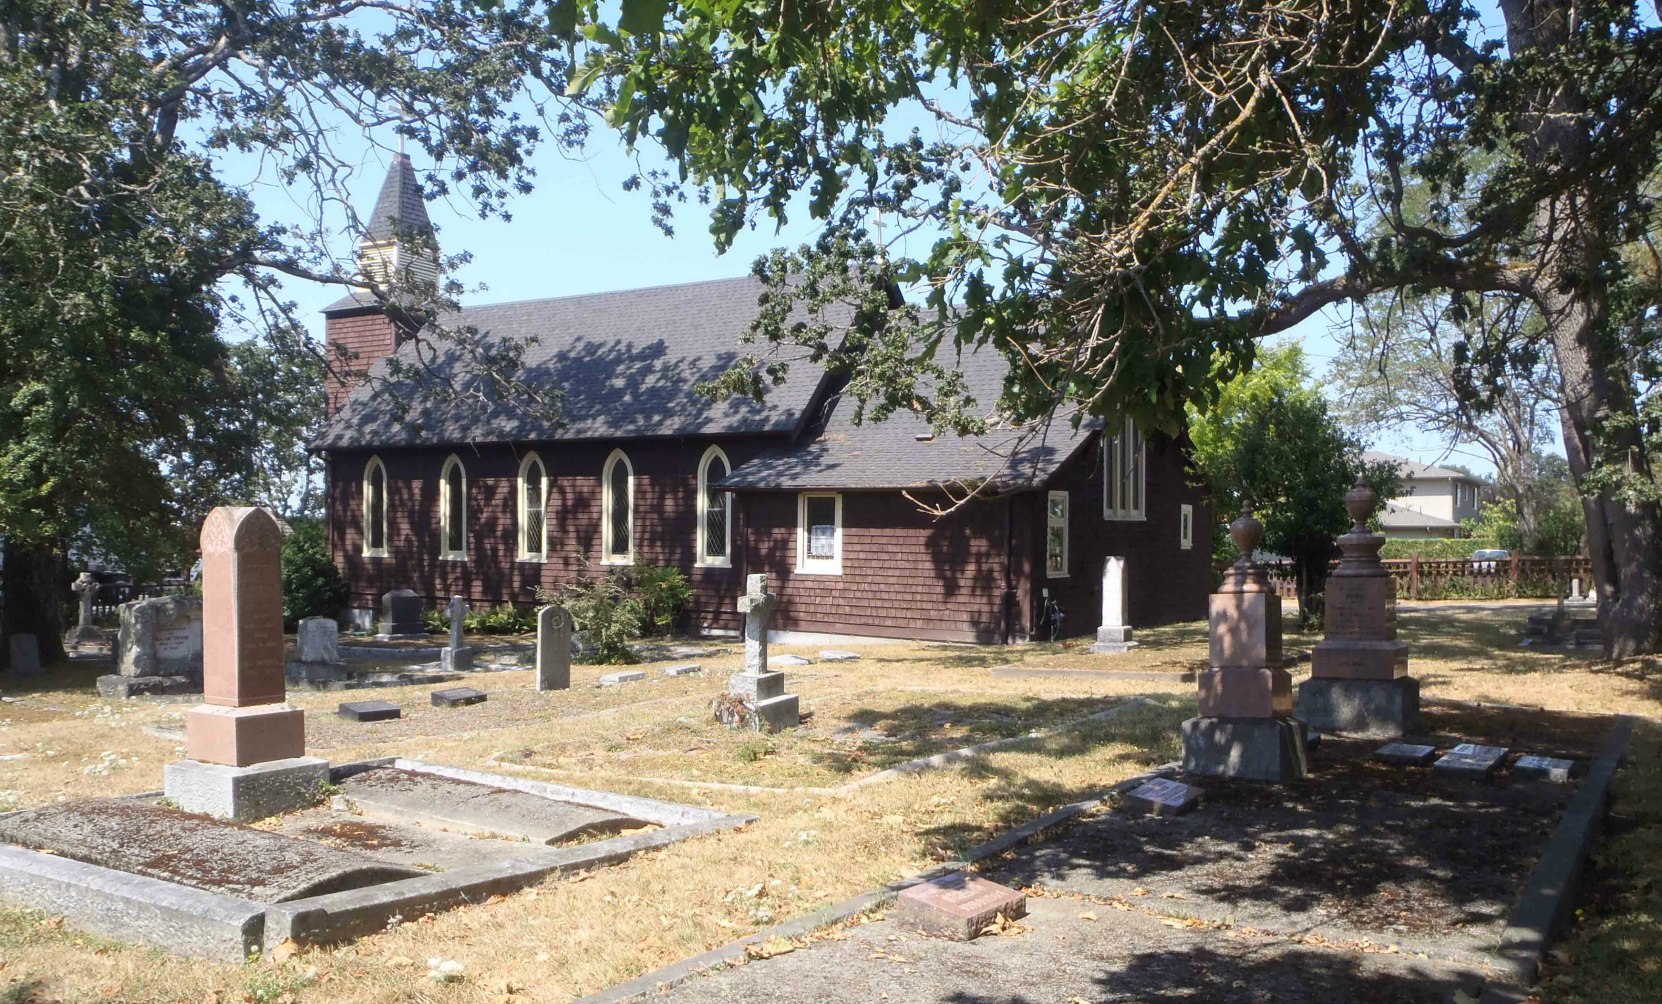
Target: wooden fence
1519,576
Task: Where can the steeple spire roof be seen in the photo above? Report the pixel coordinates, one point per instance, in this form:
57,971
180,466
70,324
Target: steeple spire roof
399,207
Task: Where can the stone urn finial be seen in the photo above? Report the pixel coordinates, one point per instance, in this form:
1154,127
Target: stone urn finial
1247,533
1360,502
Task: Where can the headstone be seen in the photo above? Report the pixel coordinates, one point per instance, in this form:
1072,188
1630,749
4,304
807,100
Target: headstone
25,654
756,695
1114,636
456,657
161,636
957,906
1544,768
1471,759
369,711
626,676
401,616
553,648
317,641
457,697
246,741
683,669
1245,728
1405,754
837,655
85,588
1358,672
1163,797
789,660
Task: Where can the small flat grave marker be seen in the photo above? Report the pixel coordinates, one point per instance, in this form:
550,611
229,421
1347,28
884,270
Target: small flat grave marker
837,655
1406,754
457,697
1544,768
1471,760
1163,797
369,711
683,669
618,679
957,906
789,660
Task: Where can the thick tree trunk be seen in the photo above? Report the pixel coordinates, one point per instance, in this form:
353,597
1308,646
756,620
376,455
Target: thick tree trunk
36,584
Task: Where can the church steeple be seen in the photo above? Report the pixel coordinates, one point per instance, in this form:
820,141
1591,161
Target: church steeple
398,245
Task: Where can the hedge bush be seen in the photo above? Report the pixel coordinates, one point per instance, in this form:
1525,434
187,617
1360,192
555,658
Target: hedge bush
312,585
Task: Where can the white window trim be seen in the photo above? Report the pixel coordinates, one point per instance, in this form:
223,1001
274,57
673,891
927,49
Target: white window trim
386,527
525,553
703,558
445,553
819,566
606,557
1112,477
1067,533
1186,527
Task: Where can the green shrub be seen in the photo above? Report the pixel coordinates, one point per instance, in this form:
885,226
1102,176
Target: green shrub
1439,548
501,619
605,610
664,594
435,621
312,585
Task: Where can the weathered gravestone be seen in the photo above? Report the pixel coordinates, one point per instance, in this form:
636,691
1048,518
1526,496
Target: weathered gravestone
1544,768
246,745
1162,797
317,640
158,648
1114,636
1405,754
369,711
85,588
456,657
618,679
457,697
957,906
683,669
1245,728
400,616
1359,678
757,696
1471,760
24,650
553,648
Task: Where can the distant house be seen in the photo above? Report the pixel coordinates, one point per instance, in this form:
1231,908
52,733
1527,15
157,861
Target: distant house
1434,501
470,496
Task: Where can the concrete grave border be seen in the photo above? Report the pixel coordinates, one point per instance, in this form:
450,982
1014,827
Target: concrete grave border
202,924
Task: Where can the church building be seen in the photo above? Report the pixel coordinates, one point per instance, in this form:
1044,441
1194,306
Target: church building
461,493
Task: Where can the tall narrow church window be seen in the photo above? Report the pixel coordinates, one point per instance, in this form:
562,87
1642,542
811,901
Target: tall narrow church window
1124,473
1056,535
453,510
375,508
617,532
715,510
533,509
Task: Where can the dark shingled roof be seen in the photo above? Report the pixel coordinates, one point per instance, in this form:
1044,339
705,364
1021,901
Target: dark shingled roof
399,205
889,454
624,364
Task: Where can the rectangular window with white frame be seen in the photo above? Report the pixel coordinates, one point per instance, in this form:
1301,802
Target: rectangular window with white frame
1056,535
1186,526
1125,474
819,533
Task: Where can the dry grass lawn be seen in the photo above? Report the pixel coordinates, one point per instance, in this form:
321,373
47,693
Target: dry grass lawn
812,847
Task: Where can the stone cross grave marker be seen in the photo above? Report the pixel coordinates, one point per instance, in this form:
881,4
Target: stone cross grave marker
761,692
553,648
456,657
757,605
85,589
246,745
1114,635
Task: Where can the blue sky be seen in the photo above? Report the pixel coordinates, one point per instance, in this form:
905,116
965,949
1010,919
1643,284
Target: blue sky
580,232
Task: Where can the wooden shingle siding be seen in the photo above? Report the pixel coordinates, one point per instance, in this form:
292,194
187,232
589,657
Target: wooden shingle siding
367,338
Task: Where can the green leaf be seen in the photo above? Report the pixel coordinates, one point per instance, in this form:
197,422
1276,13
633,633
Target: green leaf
562,17
643,17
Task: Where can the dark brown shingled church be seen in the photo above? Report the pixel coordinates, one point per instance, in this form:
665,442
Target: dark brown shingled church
471,496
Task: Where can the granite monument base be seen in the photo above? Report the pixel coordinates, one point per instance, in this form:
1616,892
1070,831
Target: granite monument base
457,660
1255,749
1113,641
1366,707
242,794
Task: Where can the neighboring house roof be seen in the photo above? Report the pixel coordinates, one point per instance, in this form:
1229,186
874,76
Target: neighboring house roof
889,454
399,205
1396,517
1414,470
623,365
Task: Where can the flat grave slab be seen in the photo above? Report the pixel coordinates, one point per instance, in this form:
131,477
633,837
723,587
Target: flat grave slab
407,795
618,679
683,669
1471,760
691,651
837,655
1405,754
369,711
1163,797
457,697
195,851
957,906
789,660
1544,768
